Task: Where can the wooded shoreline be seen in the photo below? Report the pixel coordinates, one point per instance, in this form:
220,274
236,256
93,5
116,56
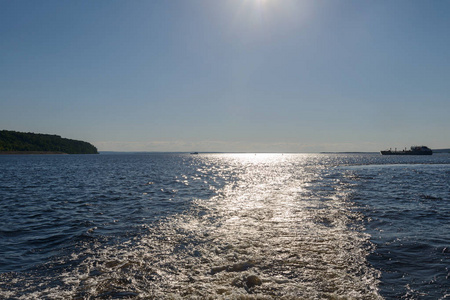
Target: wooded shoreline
13,142
29,152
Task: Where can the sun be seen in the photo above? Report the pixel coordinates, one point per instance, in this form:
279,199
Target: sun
257,9
262,18
260,3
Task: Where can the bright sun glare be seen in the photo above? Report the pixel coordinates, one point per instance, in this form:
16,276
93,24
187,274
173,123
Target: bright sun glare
262,11
260,3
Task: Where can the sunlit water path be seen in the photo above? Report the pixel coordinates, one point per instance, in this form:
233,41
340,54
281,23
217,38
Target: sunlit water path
224,226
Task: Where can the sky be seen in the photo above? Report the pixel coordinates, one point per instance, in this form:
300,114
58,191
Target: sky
228,75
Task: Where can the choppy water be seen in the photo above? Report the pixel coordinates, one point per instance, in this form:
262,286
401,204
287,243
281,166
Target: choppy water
224,226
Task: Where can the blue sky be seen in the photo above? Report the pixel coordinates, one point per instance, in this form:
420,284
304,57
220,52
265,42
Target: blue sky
231,75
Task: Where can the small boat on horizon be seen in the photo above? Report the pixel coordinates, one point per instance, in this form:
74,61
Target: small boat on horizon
194,152
415,150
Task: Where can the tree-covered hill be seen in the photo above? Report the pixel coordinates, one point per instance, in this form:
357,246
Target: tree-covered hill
12,141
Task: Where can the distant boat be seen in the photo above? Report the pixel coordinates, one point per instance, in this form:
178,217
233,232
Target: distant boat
415,150
194,152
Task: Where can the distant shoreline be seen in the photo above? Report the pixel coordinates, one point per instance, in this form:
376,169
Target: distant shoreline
15,142
29,152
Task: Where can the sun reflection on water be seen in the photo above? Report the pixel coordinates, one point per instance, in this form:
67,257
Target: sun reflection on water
279,226
270,226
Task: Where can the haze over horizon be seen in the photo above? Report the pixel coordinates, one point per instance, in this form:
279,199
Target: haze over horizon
228,76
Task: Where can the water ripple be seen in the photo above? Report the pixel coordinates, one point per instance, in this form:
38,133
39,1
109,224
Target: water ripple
239,226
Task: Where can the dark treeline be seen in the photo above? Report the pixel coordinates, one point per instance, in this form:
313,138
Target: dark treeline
21,141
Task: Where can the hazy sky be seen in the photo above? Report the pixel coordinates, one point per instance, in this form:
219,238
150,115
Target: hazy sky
228,75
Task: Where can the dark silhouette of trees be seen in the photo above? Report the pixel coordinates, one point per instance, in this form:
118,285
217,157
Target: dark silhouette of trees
21,141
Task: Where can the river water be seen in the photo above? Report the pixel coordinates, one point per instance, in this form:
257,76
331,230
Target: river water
224,226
